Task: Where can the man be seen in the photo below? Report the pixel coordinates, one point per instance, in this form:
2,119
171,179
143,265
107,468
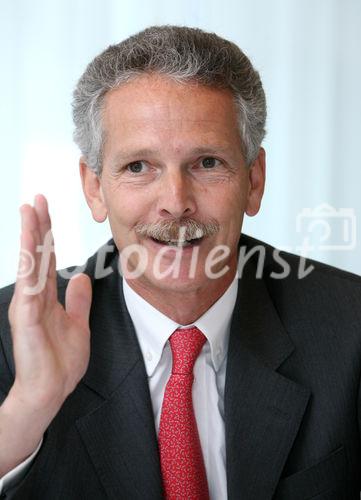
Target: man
99,399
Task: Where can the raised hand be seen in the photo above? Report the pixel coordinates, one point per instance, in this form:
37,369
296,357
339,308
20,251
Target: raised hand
51,344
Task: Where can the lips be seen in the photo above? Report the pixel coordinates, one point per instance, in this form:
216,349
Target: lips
184,234
178,243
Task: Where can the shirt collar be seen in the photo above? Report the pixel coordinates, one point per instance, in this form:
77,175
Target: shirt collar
153,328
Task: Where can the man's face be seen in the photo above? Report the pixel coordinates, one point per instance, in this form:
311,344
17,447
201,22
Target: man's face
173,154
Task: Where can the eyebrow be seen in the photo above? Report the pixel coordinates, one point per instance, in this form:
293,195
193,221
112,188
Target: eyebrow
139,153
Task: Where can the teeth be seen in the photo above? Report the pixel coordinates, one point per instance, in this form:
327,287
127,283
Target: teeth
179,243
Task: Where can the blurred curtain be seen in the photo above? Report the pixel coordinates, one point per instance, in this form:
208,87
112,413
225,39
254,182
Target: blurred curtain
308,56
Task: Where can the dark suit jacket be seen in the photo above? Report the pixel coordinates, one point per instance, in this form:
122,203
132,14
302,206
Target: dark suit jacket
292,400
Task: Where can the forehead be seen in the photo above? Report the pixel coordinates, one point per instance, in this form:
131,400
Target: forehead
158,107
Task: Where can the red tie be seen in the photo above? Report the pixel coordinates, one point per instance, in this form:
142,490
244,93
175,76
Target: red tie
183,471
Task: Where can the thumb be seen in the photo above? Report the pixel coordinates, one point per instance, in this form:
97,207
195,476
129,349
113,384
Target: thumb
78,298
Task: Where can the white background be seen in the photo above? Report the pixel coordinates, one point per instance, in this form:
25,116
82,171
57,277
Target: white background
308,54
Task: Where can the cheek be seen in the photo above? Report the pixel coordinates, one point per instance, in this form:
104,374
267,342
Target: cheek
125,211
122,216
231,205
120,203
229,211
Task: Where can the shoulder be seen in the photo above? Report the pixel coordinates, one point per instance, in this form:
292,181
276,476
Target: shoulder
301,282
289,269
95,265
314,301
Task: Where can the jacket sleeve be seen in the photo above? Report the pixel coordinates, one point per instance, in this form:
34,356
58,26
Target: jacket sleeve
7,370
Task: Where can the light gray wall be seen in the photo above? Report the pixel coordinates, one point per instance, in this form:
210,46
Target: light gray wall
308,56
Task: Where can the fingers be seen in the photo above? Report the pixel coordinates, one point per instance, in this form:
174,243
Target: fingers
78,299
46,236
42,212
37,259
27,268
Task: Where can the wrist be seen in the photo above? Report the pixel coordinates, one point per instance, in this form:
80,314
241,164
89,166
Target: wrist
44,404
21,431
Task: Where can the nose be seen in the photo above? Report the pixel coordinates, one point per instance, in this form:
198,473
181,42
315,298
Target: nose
176,196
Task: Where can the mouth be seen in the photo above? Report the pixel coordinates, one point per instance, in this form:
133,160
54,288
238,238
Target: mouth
179,243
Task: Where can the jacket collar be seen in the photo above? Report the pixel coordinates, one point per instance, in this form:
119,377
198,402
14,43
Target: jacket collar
263,409
118,431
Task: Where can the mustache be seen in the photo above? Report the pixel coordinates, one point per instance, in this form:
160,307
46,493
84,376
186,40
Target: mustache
177,230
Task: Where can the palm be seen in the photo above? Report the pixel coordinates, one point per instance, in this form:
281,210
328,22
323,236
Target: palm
51,343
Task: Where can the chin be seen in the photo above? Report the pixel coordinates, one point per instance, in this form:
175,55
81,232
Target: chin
180,283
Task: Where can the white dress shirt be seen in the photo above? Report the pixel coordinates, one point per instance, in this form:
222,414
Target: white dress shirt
153,330
15,475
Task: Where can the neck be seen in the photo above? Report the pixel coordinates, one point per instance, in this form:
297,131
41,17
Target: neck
187,305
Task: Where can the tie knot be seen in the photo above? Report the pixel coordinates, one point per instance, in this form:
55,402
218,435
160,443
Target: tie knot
186,344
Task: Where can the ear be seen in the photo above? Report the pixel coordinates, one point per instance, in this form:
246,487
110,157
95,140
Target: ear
93,191
257,179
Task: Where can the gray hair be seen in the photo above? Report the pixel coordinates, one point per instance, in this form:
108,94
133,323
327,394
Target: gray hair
182,53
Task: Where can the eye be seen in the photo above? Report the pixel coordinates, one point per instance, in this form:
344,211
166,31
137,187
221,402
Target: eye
210,162
136,167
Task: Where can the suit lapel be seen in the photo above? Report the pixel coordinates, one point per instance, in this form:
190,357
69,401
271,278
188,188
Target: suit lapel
119,433
263,409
